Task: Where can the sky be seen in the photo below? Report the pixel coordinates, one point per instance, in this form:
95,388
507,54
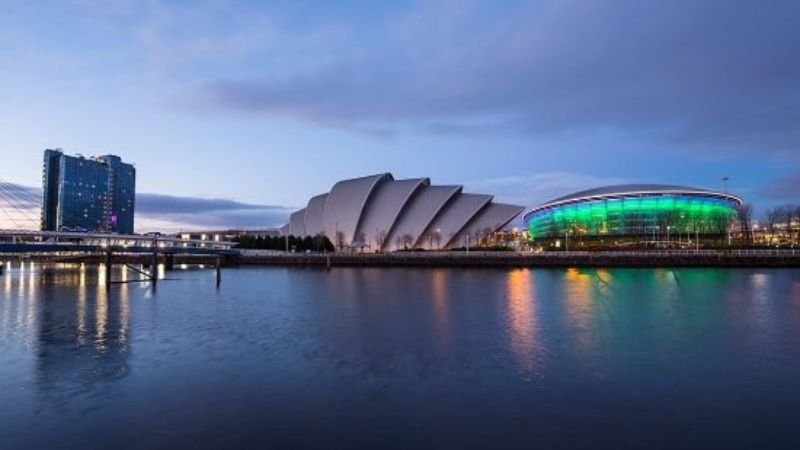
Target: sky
236,112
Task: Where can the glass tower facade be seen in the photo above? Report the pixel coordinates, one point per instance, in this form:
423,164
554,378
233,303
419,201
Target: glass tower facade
87,194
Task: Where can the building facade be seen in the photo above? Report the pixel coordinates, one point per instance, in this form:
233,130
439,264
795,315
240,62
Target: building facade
379,213
87,194
634,210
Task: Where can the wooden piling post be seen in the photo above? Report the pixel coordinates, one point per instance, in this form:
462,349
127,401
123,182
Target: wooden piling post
219,270
154,263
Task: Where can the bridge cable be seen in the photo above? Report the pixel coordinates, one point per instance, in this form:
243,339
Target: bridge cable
21,201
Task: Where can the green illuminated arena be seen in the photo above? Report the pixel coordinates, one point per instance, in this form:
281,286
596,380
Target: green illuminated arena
634,210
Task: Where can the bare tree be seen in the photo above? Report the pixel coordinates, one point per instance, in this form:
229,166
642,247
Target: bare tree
408,241
744,214
485,235
340,241
794,223
773,217
437,238
380,238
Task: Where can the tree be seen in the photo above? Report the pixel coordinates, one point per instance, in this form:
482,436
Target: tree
773,217
744,214
794,223
340,241
408,241
437,238
380,239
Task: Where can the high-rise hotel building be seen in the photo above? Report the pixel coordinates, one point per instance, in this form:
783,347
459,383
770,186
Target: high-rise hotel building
87,194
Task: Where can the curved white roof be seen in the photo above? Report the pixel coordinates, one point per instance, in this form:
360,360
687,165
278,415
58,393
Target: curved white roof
419,214
297,223
401,212
492,218
314,210
625,190
384,206
345,205
453,218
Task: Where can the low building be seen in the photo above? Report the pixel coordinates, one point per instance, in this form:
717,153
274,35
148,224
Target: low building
379,213
226,235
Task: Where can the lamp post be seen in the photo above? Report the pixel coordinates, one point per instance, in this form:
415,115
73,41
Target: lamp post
697,239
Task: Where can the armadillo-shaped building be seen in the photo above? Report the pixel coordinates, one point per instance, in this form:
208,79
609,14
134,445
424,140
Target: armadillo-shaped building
383,214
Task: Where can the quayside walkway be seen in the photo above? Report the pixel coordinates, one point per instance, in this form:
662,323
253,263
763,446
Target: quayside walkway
671,258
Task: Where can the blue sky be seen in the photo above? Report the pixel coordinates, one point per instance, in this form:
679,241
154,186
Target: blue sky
235,110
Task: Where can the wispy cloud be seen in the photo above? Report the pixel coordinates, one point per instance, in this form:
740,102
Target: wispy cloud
156,211
20,207
535,188
784,189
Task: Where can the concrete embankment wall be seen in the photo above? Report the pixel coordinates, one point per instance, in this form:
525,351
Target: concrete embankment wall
460,259
607,259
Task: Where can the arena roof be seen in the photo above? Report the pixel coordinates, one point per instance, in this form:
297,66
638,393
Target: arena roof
623,190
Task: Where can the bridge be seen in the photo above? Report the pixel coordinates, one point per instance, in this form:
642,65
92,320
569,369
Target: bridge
20,208
20,239
63,243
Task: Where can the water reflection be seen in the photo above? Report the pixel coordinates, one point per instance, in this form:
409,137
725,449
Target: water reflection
81,339
578,293
440,305
522,321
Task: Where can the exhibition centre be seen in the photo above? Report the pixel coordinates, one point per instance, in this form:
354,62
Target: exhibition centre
379,213
634,210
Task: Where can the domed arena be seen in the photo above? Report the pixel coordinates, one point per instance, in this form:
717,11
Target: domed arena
635,211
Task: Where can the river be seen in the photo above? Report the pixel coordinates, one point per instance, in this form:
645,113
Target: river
400,358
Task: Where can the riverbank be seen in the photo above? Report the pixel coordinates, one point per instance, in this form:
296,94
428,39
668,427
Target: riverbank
702,258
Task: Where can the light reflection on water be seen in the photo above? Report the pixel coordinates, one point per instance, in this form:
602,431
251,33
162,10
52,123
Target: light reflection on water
306,358
523,321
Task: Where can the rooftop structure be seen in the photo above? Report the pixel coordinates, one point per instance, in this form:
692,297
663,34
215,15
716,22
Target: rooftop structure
383,214
634,209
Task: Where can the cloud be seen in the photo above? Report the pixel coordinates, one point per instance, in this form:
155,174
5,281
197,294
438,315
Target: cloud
533,189
171,213
786,188
20,208
718,73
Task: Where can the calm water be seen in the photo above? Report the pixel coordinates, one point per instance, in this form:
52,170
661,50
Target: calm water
401,358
